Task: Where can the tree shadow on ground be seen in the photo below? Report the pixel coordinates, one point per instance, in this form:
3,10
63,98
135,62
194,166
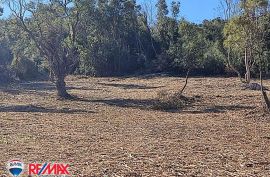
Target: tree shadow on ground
10,91
36,88
15,92
129,86
39,109
46,86
219,109
81,88
149,104
143,104
148,76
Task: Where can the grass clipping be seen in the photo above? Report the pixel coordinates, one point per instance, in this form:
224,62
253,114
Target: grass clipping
172,101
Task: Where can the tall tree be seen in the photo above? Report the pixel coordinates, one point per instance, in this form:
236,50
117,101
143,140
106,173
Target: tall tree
162,23
113,45
175,9
162,10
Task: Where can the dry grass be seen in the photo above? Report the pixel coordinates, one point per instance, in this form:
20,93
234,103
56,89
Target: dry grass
112,129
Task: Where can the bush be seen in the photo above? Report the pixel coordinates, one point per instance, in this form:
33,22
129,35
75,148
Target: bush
168,101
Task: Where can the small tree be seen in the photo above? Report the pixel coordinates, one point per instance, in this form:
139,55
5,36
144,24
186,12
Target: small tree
162,24
193,45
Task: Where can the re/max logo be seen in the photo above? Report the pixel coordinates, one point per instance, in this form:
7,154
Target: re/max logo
48,169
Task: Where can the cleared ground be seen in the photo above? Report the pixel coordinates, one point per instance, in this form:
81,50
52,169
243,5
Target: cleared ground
112,129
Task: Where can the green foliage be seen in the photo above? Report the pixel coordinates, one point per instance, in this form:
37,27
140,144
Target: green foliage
193,43
235,32
213,61
247,32
162,10
5,50
114,37
114,43
175,9
25,69
21,46
5,54
214,57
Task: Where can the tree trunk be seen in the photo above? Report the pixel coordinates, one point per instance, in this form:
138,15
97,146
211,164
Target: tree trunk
51,76
233,68
266,104
186,81
247,75
61,88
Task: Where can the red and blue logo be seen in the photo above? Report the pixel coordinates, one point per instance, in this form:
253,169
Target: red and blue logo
15,167
55,169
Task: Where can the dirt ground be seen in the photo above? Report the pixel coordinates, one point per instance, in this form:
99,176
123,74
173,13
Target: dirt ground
112,130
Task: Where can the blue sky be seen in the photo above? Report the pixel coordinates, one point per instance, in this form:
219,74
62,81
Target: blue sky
198,10
193,10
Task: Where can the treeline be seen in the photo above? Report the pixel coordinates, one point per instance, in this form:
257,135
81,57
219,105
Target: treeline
115,37
118,37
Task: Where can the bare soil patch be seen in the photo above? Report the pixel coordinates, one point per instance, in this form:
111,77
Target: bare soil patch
112,130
